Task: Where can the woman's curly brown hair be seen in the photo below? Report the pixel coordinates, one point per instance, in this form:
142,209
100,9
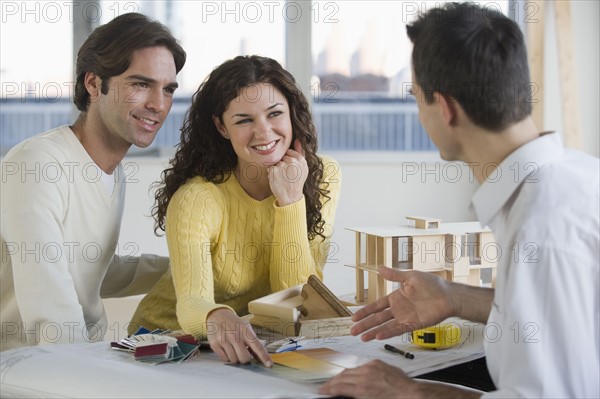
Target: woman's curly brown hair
204,152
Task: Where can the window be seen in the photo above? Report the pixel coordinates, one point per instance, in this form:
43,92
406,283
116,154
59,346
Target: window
360,57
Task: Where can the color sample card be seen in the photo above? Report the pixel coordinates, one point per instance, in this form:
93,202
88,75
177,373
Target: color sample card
334,357
306,363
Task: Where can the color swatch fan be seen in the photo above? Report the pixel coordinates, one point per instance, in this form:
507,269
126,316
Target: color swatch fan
158,346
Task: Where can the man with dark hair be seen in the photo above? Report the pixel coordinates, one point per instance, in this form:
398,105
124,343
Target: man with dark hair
63,191
471,80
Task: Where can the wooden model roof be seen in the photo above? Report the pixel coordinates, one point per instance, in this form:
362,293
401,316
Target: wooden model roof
459,228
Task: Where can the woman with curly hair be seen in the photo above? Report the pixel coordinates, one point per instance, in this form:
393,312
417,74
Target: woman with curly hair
246,204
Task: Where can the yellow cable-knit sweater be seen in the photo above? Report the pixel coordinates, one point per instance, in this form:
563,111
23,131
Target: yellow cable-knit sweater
227,249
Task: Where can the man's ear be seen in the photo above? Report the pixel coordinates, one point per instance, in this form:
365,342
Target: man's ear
93,84
447,106
220,128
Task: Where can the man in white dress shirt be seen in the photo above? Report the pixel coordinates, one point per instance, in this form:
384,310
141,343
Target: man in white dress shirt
472,86
63,191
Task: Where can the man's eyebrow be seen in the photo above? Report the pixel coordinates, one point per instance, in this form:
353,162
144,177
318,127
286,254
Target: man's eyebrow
150,80
141,77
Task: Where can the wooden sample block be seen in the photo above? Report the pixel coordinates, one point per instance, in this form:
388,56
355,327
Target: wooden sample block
310,307
282,305
325,328
285,328
318,302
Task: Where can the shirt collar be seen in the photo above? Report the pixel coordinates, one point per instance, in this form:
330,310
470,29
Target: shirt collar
491,196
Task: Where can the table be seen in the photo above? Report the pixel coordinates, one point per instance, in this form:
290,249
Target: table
93,370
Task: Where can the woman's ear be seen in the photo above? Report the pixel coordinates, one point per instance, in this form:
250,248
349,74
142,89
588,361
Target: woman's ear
220,128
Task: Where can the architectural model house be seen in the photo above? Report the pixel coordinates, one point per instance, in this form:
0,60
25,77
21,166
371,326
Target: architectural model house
455,251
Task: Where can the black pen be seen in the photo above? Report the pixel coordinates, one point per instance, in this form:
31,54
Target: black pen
391,348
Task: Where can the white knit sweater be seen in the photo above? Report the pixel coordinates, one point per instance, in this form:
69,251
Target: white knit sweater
59,237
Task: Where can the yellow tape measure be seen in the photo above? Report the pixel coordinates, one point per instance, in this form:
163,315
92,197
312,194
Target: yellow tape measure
440,336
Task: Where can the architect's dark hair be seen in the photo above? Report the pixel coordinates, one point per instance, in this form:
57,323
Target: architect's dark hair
107,51
477,56
204,152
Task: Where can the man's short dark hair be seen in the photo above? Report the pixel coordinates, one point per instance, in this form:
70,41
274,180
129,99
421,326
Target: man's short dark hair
477,56
107,51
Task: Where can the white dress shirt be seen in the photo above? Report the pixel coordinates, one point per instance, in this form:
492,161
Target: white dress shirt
542,336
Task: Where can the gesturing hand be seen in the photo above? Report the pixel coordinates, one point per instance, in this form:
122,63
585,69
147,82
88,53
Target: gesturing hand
233,339
287,177
422,300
